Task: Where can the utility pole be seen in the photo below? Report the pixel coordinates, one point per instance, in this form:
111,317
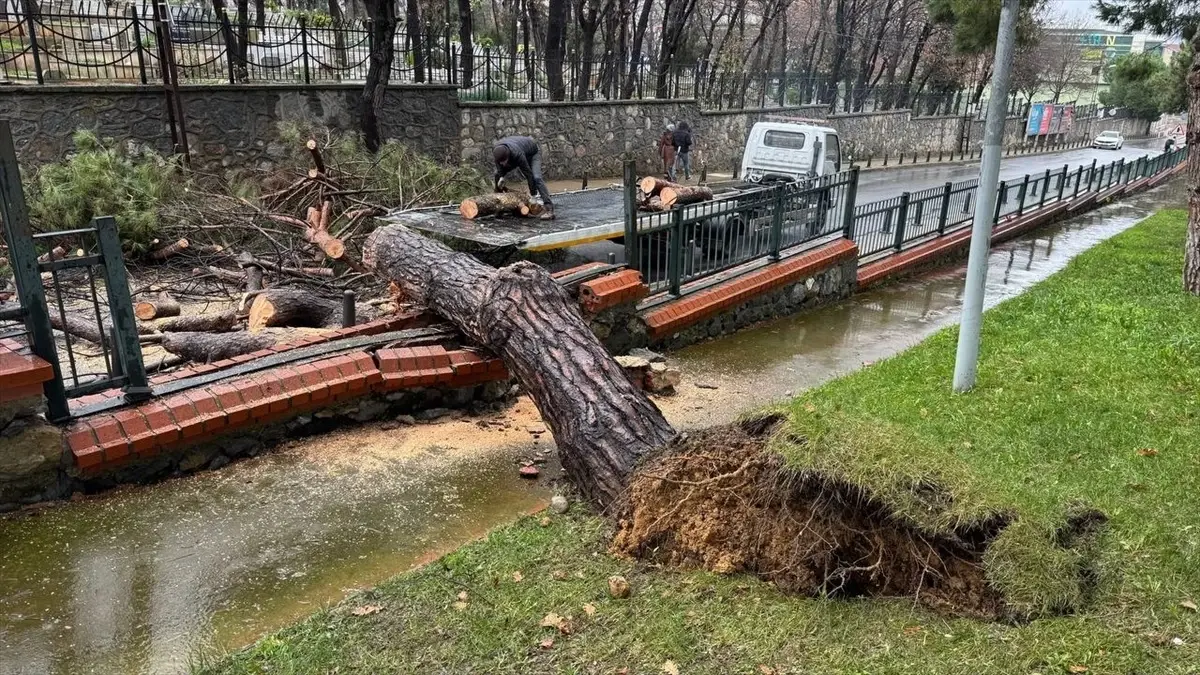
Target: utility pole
967,359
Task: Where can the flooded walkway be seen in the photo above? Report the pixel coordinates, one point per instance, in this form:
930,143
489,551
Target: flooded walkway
150,579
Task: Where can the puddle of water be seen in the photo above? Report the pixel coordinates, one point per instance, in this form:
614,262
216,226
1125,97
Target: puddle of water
143,579
786,356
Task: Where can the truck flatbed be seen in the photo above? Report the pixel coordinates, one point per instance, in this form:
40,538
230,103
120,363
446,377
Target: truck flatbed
583,216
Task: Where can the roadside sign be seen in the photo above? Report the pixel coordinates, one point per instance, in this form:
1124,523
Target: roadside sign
1035,119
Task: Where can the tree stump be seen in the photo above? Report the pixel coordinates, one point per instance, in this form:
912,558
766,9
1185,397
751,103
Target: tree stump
601,423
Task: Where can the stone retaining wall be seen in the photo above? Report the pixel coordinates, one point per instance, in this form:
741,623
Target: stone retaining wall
237,126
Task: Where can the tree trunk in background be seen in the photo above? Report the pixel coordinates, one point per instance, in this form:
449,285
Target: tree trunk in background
587,14
260,15
1191,249
379,69
243,42
465,37
601,423
412,27
556,36
905,93
635,51
338,19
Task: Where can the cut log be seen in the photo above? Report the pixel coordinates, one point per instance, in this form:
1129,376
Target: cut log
296,308
601,423
162,306
685,194
655,204
532,209
496,204
653,185
207,347
170,250
212,322
222,274
56,253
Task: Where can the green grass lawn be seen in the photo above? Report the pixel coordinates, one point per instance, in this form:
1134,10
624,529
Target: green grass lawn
1087,398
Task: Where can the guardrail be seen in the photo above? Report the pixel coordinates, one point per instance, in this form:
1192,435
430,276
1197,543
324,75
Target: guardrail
689,243
892,225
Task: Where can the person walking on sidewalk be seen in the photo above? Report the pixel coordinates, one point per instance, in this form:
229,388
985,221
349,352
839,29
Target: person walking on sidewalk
666,151
682,142
521,152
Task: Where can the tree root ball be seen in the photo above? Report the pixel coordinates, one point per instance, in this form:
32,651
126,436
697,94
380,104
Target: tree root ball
718,499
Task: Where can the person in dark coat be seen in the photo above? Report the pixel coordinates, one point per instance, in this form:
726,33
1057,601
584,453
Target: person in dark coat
682,140
521,152
666,151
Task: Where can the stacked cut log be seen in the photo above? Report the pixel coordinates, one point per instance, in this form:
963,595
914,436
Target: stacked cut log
157,308
292,307
656,194
499,204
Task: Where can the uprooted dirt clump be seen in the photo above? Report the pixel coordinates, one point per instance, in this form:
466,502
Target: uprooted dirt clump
719,500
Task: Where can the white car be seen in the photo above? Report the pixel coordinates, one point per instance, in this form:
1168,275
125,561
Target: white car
1109,140
784,149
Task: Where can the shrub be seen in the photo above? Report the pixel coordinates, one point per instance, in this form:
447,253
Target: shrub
104,178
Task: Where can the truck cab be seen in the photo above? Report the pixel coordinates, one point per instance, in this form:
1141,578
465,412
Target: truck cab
789,150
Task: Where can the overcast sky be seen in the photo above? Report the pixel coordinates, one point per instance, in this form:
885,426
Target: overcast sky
1076,12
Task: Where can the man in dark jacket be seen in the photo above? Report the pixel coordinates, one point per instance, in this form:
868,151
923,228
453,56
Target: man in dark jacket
682,139
521,152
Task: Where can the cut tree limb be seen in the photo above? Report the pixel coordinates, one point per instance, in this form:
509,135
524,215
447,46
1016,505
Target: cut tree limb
318,161
87,329
495,204
212,322
684,194
601,423
170,249
655,204
162,306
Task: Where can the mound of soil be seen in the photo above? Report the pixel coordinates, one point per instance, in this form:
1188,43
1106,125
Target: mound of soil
717,499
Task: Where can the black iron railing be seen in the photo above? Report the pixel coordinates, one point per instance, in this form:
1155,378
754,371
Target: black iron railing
72,288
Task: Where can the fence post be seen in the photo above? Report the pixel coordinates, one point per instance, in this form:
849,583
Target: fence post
1062,181
1091,175
902,218
23,256
629,184
120,308
1021,195
137,39
487,73
304,48
1078,179
1000,201
775,237
1045,189
848,207
675,250
945,213
31,8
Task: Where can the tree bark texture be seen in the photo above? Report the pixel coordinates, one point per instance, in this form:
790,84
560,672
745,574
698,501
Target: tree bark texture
1191,247
379,69
467,57
212,322
602,424
208,347
556,29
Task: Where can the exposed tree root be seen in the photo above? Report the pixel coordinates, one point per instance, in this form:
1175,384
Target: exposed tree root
718,500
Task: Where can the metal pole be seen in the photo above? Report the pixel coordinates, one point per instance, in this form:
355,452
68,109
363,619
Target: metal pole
967,358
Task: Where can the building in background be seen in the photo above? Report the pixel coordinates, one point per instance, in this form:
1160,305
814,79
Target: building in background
1075,58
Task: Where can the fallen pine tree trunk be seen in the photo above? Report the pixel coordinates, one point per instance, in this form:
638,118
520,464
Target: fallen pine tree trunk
684,194
499,203
602,424
87,328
